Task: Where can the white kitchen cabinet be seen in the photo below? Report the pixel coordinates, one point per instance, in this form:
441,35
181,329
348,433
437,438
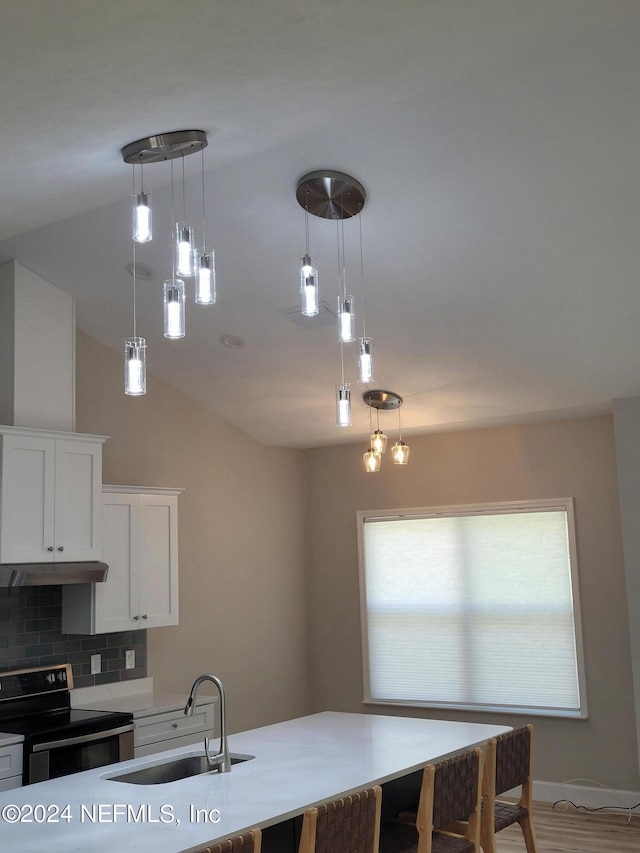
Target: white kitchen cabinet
167,730
140,546
10,766
50,496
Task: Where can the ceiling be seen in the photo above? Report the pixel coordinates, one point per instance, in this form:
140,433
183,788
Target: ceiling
498,141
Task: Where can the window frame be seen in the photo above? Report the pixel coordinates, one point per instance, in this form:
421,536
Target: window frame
494,508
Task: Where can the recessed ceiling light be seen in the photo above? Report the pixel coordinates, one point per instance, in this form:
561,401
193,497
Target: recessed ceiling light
232,341
142,271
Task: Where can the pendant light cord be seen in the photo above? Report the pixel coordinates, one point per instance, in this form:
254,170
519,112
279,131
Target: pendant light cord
364,330
344,262
306,222
173,225
134,259
184,197
340,296
204,236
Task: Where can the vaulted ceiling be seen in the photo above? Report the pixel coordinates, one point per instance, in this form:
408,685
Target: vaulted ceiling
498,141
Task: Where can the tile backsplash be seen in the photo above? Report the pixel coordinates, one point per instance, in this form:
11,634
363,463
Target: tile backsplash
30,621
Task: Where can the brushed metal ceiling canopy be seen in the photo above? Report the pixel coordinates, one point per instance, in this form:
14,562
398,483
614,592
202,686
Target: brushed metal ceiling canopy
330,194
164,146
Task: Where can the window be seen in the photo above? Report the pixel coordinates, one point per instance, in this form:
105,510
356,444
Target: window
473,607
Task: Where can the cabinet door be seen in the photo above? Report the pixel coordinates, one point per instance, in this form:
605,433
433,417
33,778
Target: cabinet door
116,600
78,493
158,560
27,526
140,546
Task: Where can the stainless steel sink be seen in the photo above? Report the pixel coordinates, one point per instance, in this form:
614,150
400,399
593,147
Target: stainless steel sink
172,771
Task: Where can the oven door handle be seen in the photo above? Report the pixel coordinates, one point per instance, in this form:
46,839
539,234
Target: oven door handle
74,741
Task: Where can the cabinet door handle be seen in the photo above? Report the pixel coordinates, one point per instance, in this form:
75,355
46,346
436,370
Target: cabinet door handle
145,616
50,548
60,547
175,725
136,618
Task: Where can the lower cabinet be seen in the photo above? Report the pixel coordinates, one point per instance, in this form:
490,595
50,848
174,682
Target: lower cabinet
170,729
140,546
10,767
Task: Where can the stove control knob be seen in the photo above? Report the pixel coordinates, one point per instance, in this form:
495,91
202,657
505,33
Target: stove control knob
62,676
50,677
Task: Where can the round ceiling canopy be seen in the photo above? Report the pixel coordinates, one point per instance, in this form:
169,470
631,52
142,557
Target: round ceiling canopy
382,399
331,195
164,146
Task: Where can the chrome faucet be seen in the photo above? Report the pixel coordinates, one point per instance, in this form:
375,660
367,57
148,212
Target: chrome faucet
221,761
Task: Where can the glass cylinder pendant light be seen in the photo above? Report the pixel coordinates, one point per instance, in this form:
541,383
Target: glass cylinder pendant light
308,288
205,272
184,249
343,405
141,211
174,308
365,361
308,274
346,320
135,351
184,243
142,232
204,263
135,366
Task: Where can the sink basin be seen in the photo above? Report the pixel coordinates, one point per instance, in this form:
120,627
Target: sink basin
172,771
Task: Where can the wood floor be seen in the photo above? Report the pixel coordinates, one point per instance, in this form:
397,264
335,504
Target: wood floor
560,831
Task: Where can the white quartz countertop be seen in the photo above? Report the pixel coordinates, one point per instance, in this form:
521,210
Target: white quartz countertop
145,704
297,764
7,739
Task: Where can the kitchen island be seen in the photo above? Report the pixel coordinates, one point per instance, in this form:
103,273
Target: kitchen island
297,764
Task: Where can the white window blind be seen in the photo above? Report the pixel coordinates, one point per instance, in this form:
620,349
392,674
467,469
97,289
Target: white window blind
475,607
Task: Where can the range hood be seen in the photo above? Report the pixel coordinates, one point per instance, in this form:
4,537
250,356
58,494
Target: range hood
51,574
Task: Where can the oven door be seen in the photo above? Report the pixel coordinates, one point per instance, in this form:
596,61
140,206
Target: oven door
66,755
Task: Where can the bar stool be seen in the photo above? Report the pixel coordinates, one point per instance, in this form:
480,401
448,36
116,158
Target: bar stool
350,824
250,842
507,765
448,816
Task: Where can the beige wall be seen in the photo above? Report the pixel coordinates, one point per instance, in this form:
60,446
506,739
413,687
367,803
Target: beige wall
538,460
244,520
242,539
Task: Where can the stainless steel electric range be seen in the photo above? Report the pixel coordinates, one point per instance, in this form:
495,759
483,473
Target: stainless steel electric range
59,739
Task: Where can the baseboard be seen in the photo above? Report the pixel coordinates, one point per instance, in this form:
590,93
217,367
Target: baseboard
584,795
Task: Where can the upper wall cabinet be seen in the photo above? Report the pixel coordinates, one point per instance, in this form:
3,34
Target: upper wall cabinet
141,549
50,496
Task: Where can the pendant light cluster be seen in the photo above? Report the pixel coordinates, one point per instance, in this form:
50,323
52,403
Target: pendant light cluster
372,458
187,260
335,195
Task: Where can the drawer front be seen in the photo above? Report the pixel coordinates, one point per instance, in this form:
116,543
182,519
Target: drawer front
195,739
10,783
11,761
172,724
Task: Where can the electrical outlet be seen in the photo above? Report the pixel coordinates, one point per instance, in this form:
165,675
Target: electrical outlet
95,664
130,659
